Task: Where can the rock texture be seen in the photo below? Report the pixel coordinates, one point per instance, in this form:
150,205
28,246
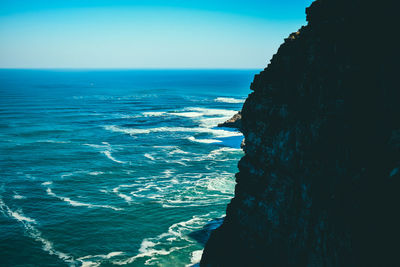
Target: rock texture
234,122
319,184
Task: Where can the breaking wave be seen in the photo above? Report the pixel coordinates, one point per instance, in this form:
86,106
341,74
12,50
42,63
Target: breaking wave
132,131
229,100
152,247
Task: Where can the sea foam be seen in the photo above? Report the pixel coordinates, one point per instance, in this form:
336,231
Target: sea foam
204,141
229,100
151,248
79,204
18,196
96,260
150,157
219,133
35,234
96,173
154,113
108,155
196,257
105,148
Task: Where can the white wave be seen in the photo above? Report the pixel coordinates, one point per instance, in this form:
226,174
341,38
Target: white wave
146,244
47,183
17,215
208,118
104,145
217,152
121,195
213,121
196,257
147,250
188,114
113,254
154,114
215,132
126,197
17,196
126,116
174,181
212,117
106,256
205,141
192,112
145,188
108,155
212,111
79,204
177,151
21,217
90,264
131,131
147,155
223,184
219,133
30,176
95,173
96,260
229,100
227,149
35,234
168,173
153,247
53,141
106,152
176,162
116,189
177,201
68,174
146,253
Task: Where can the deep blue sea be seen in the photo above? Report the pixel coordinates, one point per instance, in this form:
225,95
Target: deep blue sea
119,167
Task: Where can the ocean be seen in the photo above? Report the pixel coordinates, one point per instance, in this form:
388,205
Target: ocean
115,167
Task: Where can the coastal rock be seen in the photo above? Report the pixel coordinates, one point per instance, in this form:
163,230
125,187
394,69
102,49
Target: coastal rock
319,182
234,122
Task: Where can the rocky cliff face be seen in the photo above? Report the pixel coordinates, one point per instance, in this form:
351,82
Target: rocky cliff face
319,183
234,122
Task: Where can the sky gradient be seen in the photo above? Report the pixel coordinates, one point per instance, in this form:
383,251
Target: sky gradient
145,34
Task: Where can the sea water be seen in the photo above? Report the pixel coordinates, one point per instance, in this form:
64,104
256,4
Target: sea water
118,167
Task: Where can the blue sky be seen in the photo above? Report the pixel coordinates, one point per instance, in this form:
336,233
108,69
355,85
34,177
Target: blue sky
145,34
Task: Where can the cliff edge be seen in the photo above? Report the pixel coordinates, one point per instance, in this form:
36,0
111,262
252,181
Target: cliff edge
320,179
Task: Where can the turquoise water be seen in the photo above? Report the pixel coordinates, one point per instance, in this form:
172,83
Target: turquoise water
109,168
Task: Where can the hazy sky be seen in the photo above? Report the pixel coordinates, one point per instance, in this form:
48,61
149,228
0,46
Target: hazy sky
145,34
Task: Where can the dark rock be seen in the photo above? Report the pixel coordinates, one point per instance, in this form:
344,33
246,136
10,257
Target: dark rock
202,235
319,182
243,144
234,122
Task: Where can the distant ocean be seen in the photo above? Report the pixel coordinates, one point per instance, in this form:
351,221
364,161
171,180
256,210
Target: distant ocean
108,168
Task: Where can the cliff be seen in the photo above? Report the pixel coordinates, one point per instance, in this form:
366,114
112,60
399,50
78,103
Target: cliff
319,182
234,122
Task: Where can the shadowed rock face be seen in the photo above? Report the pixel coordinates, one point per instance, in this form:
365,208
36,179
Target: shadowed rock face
319,184
234,122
